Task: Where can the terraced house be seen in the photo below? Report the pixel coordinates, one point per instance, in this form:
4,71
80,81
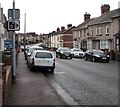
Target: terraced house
98,33
62,37
3,31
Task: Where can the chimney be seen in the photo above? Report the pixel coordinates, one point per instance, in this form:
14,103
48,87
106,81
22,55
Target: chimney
69,25
86,16
62,28
58,29
105,8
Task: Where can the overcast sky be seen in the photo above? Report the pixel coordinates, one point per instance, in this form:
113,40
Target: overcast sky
44,16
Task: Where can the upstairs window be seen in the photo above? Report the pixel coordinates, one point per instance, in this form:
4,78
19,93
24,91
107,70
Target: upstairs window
97,31
107,30
100,30
84,33
91,31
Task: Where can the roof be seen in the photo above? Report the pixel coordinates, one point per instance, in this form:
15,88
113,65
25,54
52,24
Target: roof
68,29
104,18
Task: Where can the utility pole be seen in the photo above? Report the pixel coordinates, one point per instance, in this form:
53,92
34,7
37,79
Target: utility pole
24,34
14,50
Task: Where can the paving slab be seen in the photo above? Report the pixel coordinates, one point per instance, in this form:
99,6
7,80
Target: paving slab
31,88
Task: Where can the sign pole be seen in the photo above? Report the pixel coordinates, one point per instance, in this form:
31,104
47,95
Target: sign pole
14,50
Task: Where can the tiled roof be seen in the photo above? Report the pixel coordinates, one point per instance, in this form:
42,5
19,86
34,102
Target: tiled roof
68,29
106,17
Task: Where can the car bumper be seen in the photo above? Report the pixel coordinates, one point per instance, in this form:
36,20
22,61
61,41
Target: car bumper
81,56
65,55
102,59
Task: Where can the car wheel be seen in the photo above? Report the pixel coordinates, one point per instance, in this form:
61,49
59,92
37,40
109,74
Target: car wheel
108,61
56,56
31,68
85,58
52,70
70,57
59,56
93,59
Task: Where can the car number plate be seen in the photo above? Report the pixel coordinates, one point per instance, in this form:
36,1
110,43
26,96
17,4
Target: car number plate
103,58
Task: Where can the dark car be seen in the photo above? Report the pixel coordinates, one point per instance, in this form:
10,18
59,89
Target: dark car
63,52
96,55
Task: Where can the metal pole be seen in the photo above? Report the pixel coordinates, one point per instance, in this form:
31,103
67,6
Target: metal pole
24,34
14,50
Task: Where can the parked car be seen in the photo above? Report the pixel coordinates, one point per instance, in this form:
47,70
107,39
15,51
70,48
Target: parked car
77,52
63,52
42,59
30,49
96,55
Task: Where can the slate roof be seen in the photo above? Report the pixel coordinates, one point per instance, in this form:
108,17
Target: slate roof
106,17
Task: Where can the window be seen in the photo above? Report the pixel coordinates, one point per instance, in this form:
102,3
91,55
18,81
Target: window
107,30
84,33
80,33
97,31
91,31
103,44
100,30
117,44
0,43
43,55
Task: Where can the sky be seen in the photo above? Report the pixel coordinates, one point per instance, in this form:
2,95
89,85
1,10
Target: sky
44,16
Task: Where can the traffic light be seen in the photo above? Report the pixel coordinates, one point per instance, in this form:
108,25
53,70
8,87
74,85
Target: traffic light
11,25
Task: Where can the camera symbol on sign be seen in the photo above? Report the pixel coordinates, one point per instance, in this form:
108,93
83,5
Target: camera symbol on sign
13,25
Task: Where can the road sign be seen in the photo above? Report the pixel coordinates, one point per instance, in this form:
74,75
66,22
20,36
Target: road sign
17,13
13,25
8,43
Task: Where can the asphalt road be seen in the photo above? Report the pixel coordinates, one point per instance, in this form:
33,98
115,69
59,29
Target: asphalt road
86,82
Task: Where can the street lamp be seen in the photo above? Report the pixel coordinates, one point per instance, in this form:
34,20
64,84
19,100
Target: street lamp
24,31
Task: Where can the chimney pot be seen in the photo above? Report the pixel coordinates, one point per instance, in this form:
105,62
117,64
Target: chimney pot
105,8
62,28
58,29
86,16
69,25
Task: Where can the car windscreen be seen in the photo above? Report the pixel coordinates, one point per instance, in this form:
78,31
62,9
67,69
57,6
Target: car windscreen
98,52
43,55
64,49
77,50
31,49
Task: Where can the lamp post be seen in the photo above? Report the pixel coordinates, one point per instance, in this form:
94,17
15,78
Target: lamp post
14,50
24,33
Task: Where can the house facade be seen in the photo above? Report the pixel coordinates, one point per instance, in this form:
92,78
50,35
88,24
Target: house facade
62,37
2,29
98,33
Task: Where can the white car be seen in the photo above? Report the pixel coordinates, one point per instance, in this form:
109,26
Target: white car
77,52
29,51
42,59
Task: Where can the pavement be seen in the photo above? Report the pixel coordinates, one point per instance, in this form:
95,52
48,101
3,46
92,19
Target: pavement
31,88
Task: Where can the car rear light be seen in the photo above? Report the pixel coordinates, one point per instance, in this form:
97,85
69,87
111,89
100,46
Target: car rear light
33,61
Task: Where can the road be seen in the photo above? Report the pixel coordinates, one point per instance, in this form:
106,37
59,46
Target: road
86,82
